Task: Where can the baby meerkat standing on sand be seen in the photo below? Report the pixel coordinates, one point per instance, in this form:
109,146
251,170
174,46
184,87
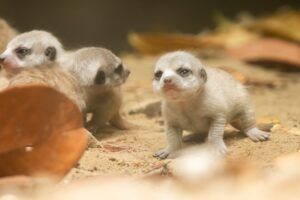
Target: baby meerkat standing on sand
201,100
102,73
31,49
56,77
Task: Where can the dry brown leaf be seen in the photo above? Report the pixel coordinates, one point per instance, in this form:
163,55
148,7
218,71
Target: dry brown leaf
269,50
159,43
233,36
268,119
114,148
41,132
285,24
250,80
31,114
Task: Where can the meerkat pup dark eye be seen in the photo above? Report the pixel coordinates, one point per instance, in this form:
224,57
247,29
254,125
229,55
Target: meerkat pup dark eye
22,52
100,77
119,69
184,72
157,75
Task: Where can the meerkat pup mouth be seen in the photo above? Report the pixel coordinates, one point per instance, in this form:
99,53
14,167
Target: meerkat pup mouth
30,49
201,100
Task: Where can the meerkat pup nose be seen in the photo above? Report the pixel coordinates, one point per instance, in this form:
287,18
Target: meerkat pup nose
167,80
201,100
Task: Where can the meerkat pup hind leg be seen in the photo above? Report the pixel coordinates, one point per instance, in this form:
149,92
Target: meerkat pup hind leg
247,124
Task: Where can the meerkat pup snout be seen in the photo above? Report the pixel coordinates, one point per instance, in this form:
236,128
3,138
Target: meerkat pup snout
102,73
30,49
201,100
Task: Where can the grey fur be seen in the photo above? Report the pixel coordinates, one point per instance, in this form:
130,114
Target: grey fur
202,104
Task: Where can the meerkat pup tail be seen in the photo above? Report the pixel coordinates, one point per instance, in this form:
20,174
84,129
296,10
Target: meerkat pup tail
201,100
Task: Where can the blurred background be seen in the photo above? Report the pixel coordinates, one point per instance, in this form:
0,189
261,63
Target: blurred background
107,22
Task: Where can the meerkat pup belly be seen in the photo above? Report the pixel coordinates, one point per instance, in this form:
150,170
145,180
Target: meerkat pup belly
202,100
31,49
56,77
102,73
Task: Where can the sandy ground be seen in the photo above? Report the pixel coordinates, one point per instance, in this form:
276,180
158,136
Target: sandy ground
130,152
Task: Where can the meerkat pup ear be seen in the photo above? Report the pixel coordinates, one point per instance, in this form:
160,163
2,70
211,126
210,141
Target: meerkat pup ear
100,77
50,52
203,74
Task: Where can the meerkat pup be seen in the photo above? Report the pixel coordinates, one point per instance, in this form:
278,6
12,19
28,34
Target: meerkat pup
30,49
202,100
102,74
56,77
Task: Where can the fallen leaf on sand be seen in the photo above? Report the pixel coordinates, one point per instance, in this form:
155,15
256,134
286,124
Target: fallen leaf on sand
52,136
268,119
268,50
268,123
284,24
114,148
251,80
150,43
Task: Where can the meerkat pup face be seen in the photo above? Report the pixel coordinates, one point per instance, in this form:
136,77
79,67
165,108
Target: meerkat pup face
178,75
29,50
99,67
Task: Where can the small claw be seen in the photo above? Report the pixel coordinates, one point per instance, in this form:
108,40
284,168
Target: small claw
162,154
220,147
257,135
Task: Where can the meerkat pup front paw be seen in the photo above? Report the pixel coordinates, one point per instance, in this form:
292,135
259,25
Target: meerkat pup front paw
201,99
257,135
174,139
